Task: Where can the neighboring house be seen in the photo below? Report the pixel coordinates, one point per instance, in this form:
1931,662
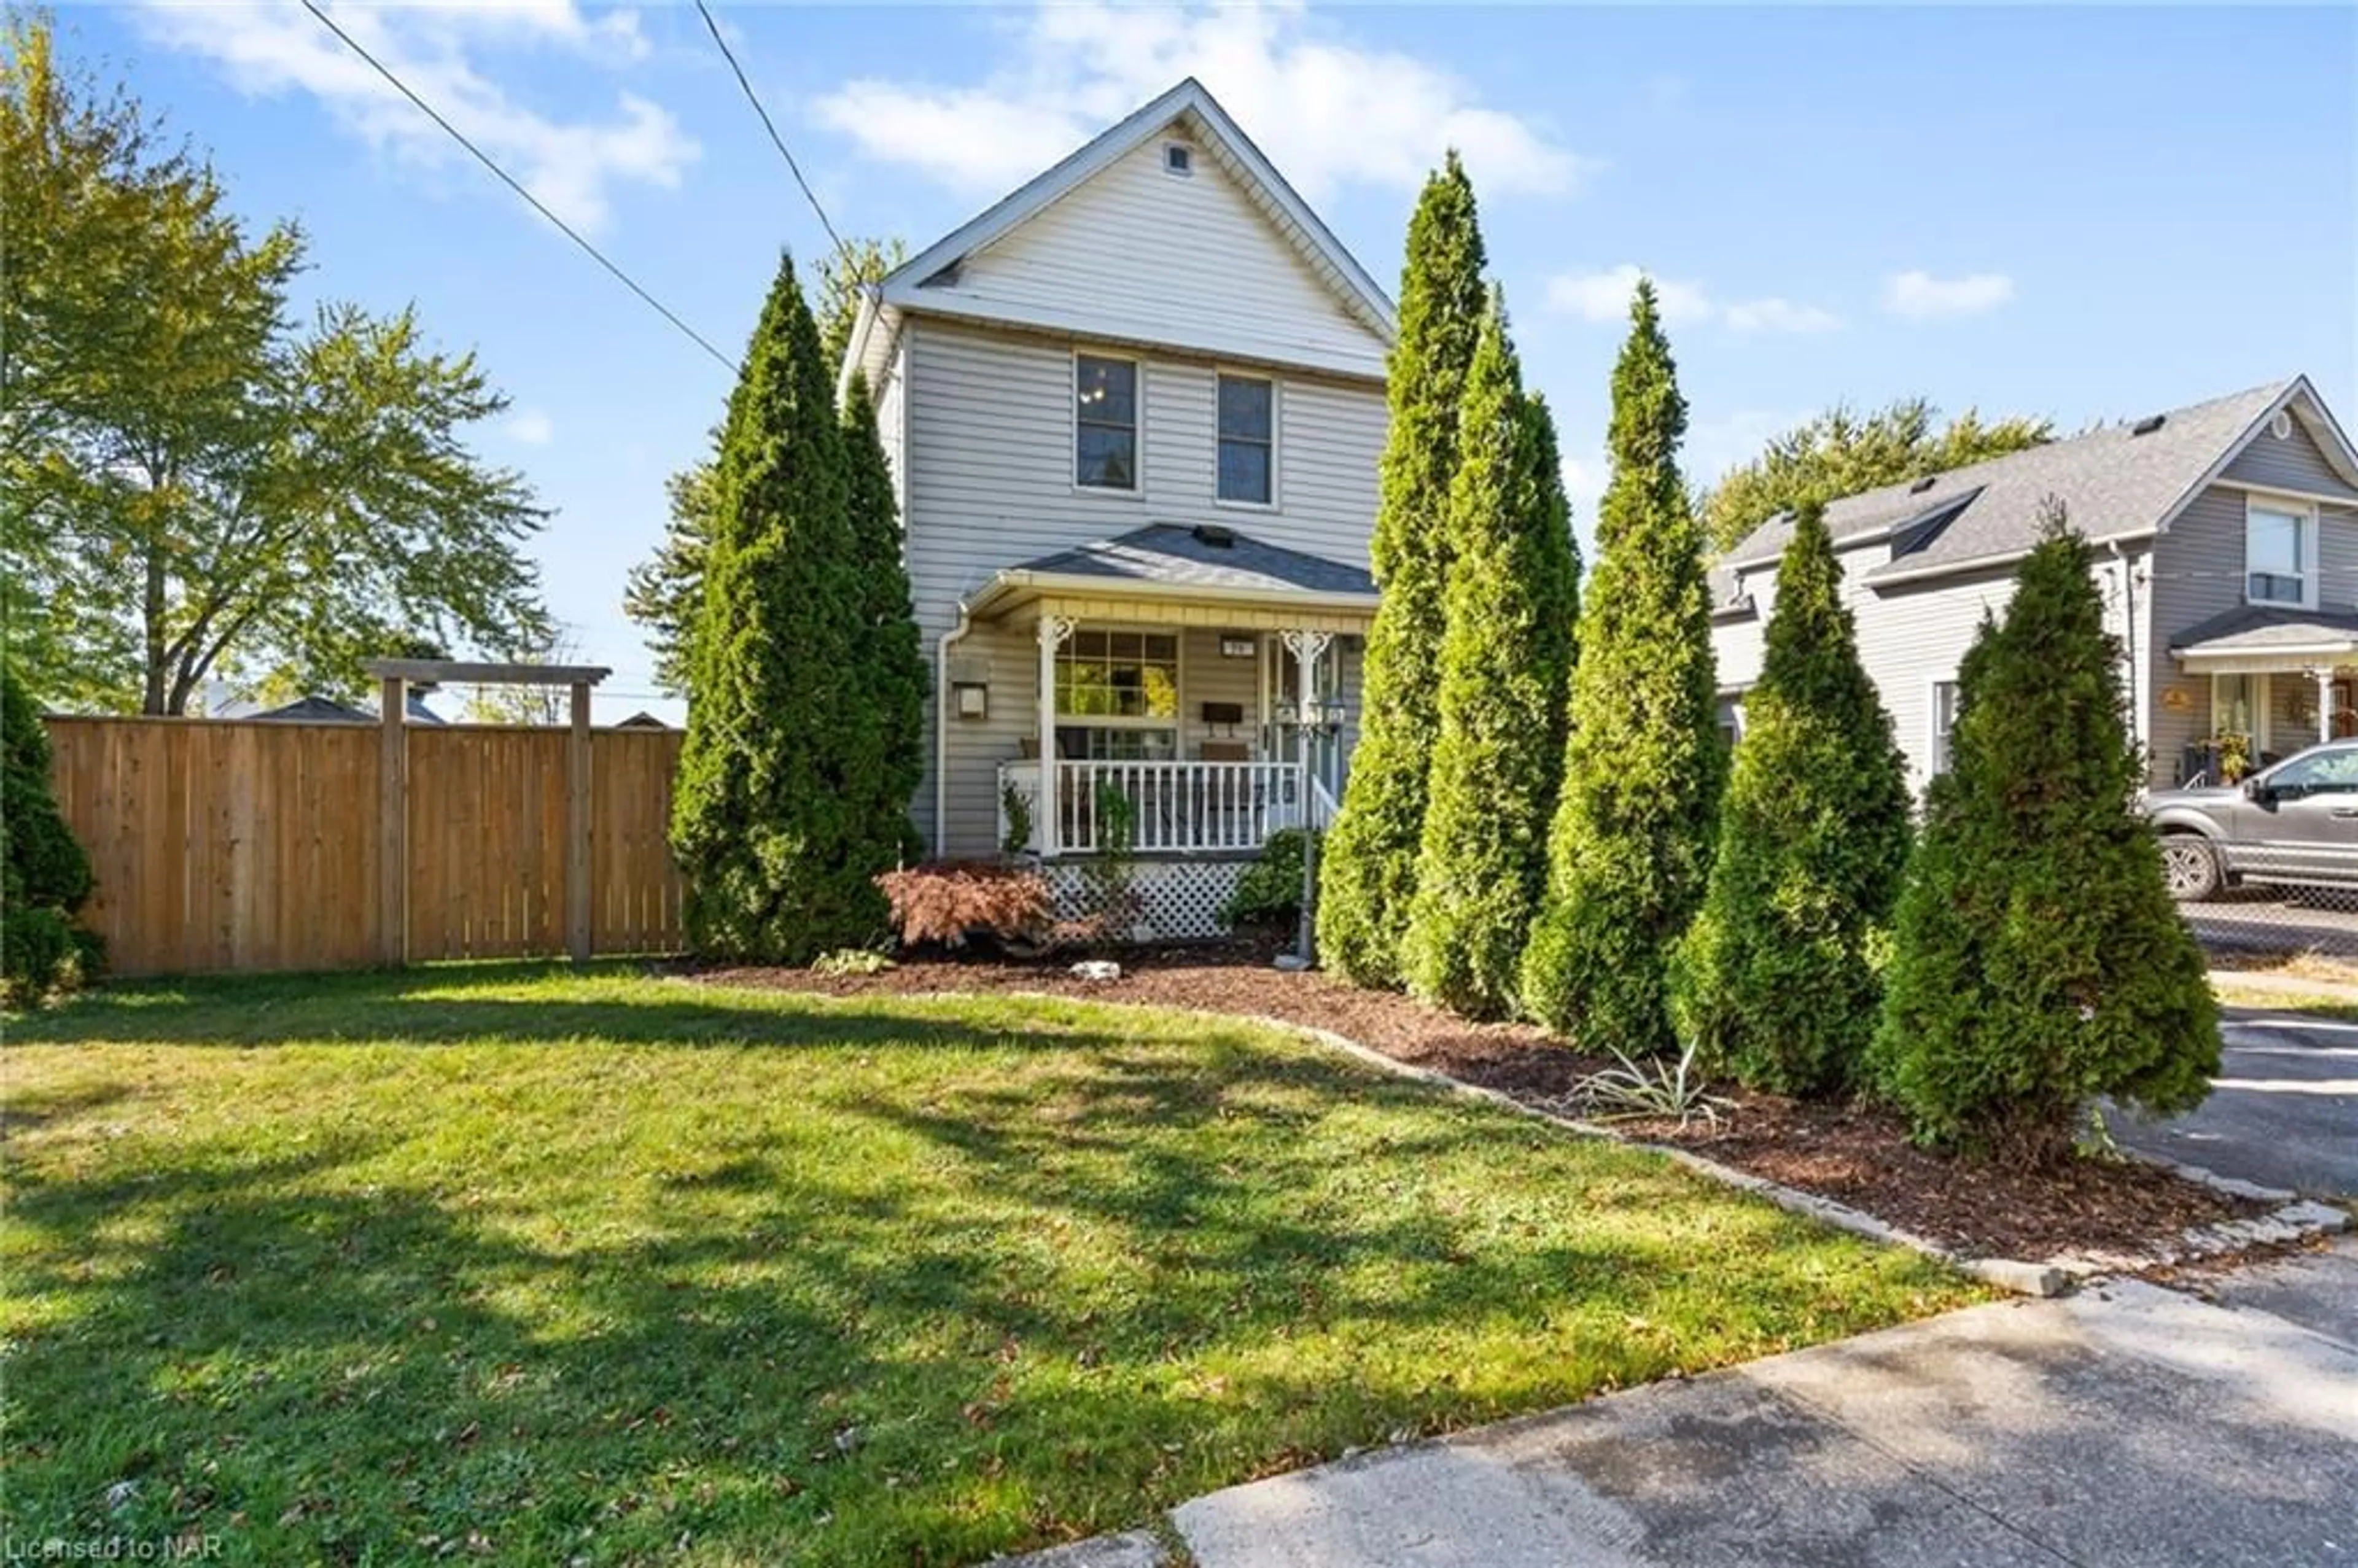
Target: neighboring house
321,711
1134,412
2226,545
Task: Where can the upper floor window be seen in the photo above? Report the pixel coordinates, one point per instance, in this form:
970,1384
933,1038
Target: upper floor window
2279,552
1105,432
1247,439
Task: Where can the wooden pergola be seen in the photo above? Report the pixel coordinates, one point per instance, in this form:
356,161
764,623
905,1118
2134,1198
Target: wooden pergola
394,677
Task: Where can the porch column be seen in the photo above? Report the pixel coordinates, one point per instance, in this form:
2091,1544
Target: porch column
1054,630
2325,674
1307,648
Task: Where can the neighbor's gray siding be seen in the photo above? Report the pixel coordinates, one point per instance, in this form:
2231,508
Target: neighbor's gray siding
989,484
1909,635
2294,463
2199,573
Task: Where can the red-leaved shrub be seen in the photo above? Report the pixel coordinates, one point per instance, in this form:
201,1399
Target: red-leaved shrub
949,902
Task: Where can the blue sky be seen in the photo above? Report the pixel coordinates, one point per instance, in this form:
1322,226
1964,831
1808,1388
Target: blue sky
2080,213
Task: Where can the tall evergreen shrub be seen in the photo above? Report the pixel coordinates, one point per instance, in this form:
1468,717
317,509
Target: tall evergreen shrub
1368,869
44,874
1631,843
771,826
2037,961
1505,659
1776,979
891,683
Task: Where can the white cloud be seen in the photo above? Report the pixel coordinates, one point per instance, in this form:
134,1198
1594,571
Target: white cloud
1604,296
1918,295
1327,113
1716,446
1584,484
572,164
1775,315
532,426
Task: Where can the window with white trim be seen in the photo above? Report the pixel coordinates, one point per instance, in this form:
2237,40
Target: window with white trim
1117,695
1105,429
1247,439
2279,552
1944,725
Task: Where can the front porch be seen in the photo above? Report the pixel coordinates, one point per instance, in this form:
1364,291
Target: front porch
1192,693
2263,681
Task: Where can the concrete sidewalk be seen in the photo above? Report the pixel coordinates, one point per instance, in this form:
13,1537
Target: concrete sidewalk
2129,1424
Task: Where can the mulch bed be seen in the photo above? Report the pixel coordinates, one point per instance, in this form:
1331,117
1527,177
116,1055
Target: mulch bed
1856,1154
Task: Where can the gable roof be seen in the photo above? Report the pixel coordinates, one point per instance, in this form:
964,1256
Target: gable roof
1188,105
2114,483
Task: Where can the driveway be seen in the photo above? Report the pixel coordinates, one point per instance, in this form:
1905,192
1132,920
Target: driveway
2130,1425
2284,1111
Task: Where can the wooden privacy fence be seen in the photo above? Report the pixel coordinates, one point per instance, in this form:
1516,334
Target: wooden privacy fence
225,845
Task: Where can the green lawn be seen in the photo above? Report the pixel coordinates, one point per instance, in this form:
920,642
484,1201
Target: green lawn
508,1263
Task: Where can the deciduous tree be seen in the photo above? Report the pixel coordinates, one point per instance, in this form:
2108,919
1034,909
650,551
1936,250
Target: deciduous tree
194,483
1841,452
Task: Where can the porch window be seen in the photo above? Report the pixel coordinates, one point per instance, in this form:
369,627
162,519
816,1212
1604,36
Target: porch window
1247,439
1124,688
1104,433
2279,553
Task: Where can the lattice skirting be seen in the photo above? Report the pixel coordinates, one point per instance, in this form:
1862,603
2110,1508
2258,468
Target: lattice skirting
1180,899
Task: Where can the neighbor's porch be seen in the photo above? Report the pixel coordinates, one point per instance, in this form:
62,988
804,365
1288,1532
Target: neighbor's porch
2260,688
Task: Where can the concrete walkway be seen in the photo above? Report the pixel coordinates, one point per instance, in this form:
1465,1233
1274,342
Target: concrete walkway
2129,1424
2284,1110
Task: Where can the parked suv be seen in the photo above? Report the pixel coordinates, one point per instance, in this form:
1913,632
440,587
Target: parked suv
2294,822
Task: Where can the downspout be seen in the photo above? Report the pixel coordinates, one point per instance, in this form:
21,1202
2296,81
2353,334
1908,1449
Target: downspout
942,730
2129,646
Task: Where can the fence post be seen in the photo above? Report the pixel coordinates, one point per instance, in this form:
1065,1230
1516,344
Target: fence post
393,822
576,828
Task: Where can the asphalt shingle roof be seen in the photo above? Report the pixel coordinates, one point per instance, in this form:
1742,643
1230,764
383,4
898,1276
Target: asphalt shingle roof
2111,482
1172,554
2259,627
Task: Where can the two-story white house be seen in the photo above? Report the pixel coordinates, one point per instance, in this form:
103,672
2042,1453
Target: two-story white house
1135,411
2226,547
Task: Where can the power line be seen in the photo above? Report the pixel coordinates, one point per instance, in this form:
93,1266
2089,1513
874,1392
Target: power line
768,124
509,180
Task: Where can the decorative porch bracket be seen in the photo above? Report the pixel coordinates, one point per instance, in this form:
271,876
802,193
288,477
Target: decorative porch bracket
1054,632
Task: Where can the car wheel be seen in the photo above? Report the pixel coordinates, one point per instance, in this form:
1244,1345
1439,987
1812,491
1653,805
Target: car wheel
2190,867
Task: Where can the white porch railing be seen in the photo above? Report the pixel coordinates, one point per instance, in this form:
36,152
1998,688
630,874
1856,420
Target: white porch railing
1177,807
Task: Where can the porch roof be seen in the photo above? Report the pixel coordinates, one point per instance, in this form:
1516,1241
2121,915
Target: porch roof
1169,561
2259,637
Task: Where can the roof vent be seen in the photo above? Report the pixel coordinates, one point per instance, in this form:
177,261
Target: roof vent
1178,158
1922,485
2281,426
2149,424
1211,535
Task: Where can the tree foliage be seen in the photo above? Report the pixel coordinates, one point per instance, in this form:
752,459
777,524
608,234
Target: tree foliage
1506,655
44,874
1631,841
771,824
1842,451
663,592
2038,962
194,483
1367,875
891,663
1776,979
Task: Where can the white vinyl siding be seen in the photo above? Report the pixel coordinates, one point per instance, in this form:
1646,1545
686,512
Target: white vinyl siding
1135,255
990,484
